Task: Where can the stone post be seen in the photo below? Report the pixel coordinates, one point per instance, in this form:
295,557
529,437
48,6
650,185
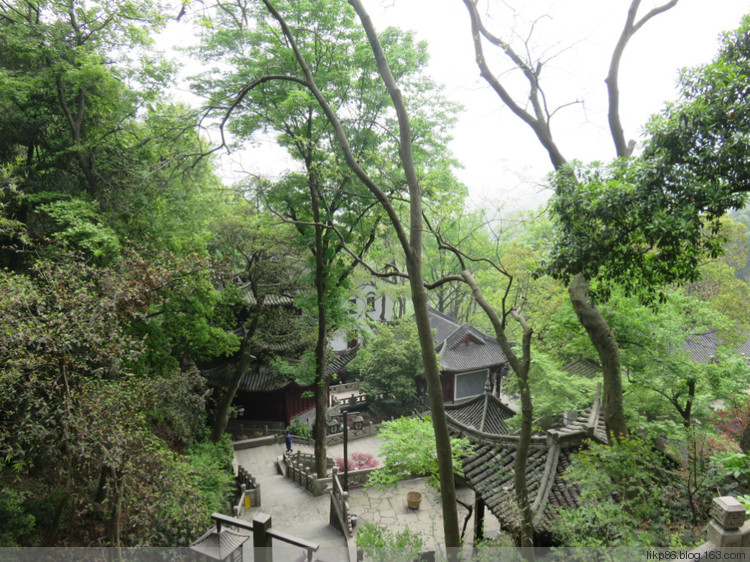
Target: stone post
262,542
728,527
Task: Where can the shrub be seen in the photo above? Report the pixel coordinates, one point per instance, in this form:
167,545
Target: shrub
379,543
300,429
16,524
358,461
408,450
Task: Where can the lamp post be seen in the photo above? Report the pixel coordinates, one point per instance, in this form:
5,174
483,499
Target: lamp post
346,452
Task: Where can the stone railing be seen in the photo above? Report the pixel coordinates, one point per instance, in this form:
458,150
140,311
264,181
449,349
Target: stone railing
340,517
249,492
273,439
357,478
727,528
345,387
367,430
302,473
307,460
304,476
349,401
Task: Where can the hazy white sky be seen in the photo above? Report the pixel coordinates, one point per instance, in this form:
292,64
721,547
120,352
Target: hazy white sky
503,163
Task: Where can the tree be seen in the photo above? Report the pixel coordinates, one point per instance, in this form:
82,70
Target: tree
698,145
79,426
411,241
65,94
408,450
391,362
272,272
538,117
325,195
99,156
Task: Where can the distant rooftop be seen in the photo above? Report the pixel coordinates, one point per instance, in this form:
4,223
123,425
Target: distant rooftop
462,347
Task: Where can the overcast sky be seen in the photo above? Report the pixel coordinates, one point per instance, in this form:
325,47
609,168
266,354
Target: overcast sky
503,163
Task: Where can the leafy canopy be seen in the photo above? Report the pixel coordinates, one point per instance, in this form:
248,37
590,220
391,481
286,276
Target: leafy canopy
409,450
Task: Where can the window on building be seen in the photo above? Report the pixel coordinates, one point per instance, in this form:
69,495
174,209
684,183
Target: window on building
470,384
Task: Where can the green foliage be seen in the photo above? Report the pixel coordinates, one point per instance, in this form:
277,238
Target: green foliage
213,462
16,524
663,382
76,413
699,144
300,429
408,450
391,362
745,501
734,463
380,543
650,221
613,229
301,370
80,229
555,390
632,495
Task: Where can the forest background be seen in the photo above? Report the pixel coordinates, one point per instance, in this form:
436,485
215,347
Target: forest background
122,252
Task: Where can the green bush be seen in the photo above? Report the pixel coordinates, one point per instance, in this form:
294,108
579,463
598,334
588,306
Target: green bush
632,494
378,543
300,429
16,524
213,463
409,450
191,487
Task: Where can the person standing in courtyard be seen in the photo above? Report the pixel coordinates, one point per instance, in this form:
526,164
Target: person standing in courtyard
288,441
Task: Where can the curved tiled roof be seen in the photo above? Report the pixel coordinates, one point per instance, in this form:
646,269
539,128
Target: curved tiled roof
269,300
260,378
584,368
491,475
490,469
463,347
485,413
702,347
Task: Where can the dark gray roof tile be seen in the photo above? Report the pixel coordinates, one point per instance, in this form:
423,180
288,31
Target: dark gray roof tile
463,347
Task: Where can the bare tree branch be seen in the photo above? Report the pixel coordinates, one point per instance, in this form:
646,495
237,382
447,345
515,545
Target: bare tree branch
539,122
622,148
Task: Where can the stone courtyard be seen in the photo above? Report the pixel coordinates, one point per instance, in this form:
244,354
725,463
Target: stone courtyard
297,512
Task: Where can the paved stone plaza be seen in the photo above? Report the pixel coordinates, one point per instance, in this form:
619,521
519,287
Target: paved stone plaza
296,512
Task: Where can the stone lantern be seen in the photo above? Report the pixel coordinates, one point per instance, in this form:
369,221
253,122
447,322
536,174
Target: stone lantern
728,527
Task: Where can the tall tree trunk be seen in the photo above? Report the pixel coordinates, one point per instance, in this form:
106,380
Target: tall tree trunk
60,506
435,394
322,382
113,531
521,368
609,355
745,440
67,467
526,539
101,489
411,244
224,404
321,346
